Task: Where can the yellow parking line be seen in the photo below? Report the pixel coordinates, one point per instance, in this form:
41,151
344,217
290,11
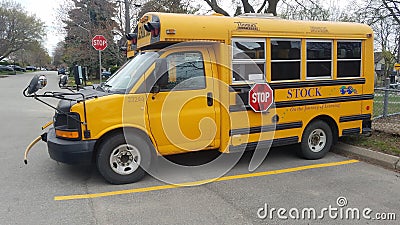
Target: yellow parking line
171,186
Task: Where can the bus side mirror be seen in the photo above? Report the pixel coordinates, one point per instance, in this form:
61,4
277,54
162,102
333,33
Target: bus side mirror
77,75
63,80
37,83
155,89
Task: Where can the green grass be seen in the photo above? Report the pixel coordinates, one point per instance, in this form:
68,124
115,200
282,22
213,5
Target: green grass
392,108
392,97
393,105
7,73
379,141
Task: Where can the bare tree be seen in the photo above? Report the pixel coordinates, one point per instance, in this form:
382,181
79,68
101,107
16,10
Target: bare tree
393,7
247,7
58,54
34,54
171,6
18,30
383,16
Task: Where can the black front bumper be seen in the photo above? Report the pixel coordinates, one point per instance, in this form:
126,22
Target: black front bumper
70,152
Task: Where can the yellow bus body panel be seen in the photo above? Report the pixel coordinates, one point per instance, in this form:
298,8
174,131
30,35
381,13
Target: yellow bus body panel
294,109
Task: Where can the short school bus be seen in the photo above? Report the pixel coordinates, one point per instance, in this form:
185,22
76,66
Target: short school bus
187,89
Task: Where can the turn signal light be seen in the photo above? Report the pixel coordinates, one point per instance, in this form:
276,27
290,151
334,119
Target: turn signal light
67,134
171,31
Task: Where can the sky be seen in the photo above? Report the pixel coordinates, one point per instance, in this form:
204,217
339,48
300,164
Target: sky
45,11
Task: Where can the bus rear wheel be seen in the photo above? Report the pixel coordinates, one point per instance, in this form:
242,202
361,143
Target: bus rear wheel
316,141
123,159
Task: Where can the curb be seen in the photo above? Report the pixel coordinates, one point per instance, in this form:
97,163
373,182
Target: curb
385,160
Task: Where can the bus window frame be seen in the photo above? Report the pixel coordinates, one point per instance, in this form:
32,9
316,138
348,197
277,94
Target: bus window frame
288,60
344,60
249,60
175,89
319,60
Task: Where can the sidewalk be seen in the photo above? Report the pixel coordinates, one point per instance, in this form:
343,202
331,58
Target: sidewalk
382,159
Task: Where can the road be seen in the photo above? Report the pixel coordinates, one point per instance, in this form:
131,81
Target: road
46,192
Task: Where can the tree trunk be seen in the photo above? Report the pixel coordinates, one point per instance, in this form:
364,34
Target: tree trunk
214,6
127,17
262,6
247,7
272,7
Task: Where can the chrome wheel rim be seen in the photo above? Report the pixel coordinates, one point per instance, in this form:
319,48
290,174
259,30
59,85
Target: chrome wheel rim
317,140
125,159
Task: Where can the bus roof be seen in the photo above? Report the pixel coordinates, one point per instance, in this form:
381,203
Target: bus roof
186,27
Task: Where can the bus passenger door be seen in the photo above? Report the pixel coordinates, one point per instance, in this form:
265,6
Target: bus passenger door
181,109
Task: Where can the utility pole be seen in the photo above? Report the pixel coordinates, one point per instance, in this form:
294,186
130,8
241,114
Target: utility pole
127,17
398,56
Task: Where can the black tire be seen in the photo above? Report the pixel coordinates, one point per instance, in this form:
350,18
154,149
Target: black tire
121,167
316,141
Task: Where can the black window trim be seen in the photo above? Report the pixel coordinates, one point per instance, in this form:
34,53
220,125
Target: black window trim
249,61
320,60
287,60
349,60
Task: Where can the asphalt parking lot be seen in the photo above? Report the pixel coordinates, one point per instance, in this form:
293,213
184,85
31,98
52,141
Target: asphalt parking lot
46,192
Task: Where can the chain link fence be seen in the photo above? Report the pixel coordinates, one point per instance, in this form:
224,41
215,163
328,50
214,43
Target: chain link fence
386,117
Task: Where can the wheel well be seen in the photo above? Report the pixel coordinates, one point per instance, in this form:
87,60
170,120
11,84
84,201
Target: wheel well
331,122
120,130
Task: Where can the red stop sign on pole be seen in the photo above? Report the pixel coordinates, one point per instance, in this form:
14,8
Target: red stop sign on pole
261,97
99,42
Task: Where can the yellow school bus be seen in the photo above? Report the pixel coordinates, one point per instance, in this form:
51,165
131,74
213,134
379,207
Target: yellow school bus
187,89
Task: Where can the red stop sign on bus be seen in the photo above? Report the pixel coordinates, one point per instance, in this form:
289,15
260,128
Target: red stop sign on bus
261,97
99,42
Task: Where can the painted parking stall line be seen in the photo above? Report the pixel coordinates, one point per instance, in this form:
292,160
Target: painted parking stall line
226,178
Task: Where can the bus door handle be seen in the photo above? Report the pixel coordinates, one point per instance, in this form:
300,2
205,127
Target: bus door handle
210,100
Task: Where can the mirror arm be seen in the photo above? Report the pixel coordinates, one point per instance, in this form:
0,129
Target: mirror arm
155,92
66,87
86,133
154,95
24,92
64,113
60,95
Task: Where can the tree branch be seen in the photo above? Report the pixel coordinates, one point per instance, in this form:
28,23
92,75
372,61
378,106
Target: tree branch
391,12
213,4
262,6
247,7
272,7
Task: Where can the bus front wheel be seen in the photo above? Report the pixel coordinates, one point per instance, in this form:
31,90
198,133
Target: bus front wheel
316,141
122,159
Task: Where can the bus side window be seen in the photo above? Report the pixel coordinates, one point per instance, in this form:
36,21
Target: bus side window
285,59
349,59
319,59
248,59
185,72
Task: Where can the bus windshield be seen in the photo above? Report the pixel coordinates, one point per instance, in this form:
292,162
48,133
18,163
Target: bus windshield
127,76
